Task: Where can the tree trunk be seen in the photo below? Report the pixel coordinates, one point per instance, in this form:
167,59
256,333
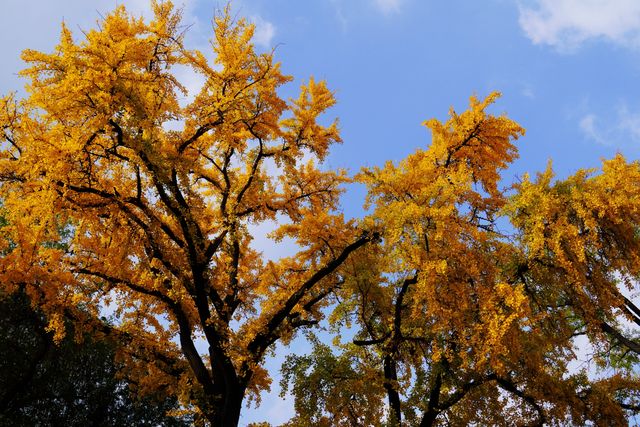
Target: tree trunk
225,412
390,384
432,411
429,418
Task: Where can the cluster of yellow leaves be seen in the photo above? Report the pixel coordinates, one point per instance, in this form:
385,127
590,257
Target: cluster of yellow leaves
435,212
585,230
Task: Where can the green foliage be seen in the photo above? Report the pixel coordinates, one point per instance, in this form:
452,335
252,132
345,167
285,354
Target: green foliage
330,389
66,384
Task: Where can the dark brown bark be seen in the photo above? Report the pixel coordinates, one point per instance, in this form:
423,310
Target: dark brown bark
224,411
391,386
433,409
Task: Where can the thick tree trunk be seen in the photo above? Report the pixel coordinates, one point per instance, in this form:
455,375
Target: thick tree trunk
429,418
225,412
432,412
390,384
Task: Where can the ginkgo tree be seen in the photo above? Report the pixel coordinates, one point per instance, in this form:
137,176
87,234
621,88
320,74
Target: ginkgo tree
120,192
460,319
117,195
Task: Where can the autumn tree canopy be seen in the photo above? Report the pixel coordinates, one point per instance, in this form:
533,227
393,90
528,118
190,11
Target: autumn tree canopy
119,194
155,221
467,311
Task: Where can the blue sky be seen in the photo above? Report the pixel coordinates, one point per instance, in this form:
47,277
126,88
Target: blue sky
568,71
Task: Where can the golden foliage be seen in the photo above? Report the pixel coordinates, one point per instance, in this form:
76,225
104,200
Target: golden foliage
471,324
119,191
122,191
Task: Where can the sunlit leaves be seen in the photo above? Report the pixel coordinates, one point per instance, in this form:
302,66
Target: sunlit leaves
456,314
160,195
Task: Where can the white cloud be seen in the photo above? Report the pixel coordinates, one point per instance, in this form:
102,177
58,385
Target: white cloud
191,80
629,123
345,9
264,31
388,6
588,127
340,16
623,129
528,92
566,24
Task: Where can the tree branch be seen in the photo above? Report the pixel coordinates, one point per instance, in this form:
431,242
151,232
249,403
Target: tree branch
266,337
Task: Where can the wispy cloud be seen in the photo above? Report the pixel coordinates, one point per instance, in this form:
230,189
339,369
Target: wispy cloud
589,128
621,130
388,6
340,16
264,31
566,24
629,123
528,92
345,9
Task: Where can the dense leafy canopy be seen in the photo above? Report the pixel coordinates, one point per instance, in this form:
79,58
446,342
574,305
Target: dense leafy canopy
153,201
151,197
460,322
